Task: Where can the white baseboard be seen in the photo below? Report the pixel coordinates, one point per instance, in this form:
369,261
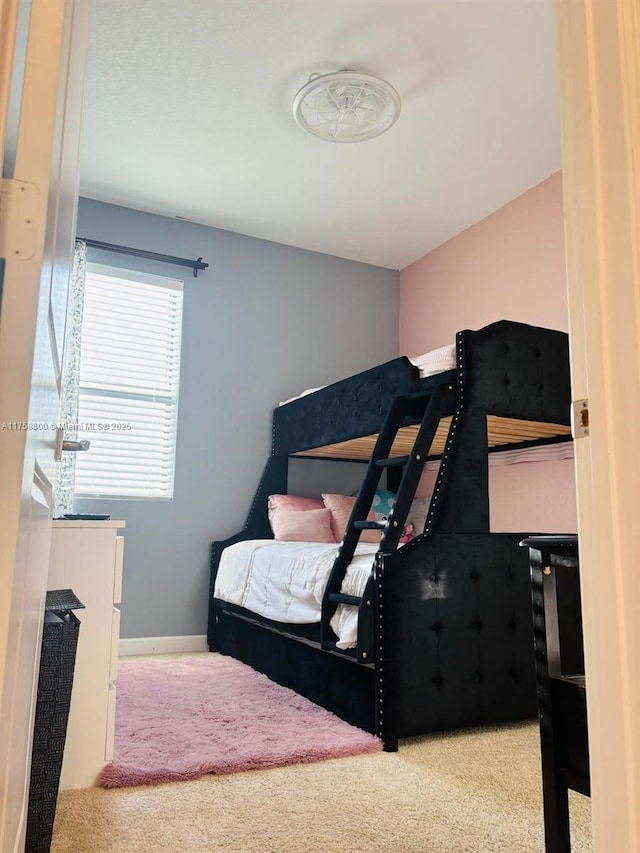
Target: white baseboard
162,645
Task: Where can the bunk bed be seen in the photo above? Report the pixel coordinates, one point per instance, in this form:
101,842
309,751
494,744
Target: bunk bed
444,626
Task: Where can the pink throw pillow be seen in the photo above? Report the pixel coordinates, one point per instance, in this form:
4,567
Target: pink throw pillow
293,502
311,525
341,507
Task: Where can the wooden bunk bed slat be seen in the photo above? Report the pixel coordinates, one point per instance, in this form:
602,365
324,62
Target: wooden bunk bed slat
502,431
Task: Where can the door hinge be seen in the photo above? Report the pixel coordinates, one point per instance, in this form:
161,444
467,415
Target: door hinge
19,215
580,418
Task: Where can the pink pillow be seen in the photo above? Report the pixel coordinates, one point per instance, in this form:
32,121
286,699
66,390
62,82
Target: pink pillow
291,502
341,507
311,525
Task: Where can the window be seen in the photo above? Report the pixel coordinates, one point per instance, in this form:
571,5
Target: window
129,375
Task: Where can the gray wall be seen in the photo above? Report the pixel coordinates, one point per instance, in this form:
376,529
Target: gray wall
261,324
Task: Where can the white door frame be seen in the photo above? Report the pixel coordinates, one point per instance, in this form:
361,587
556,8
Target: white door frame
37,225
600,86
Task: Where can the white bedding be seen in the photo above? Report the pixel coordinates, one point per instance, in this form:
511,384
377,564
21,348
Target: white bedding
429,364
285,581
437,361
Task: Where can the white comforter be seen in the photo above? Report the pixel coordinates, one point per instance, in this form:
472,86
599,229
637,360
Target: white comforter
285,581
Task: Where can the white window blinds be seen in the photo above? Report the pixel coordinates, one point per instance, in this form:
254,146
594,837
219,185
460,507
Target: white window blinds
129,375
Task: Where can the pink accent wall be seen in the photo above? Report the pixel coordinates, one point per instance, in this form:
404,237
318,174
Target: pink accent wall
510,266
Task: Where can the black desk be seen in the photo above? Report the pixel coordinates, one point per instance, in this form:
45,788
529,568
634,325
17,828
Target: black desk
562,710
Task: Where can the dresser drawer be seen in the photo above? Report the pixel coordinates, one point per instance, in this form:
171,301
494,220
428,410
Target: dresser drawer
111,723
115,641
117,574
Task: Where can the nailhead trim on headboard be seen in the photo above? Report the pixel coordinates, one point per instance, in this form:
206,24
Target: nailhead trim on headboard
436,500
379,569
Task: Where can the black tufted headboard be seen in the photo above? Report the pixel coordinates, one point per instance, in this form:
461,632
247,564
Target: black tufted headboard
514,370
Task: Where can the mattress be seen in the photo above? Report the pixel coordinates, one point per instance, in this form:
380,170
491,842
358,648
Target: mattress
429,364
436,361
285,582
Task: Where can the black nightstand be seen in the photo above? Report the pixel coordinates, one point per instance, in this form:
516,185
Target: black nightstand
562,709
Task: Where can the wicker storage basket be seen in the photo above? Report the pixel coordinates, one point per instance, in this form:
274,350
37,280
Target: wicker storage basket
55,679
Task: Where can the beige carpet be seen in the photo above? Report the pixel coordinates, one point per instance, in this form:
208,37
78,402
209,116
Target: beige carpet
474,791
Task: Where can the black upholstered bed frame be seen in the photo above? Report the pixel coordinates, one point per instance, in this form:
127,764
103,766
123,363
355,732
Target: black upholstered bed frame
449,626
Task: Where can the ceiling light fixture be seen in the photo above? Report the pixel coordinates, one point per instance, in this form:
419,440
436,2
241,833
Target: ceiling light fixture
346,106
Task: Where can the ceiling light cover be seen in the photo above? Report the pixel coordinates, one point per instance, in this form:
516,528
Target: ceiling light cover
346,106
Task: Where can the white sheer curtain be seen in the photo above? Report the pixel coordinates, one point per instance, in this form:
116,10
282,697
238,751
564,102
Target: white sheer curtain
65,480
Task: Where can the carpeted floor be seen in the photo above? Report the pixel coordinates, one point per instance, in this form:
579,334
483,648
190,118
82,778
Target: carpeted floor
475,791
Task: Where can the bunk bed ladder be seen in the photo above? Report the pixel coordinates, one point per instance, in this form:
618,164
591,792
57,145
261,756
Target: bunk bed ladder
428,410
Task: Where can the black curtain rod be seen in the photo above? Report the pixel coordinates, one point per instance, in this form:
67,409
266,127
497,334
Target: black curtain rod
152,256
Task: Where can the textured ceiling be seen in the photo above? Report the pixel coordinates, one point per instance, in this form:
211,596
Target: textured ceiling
188,114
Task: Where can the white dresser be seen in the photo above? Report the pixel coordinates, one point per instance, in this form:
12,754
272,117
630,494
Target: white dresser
86,556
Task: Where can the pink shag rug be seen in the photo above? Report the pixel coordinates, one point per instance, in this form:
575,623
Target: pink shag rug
181,719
